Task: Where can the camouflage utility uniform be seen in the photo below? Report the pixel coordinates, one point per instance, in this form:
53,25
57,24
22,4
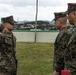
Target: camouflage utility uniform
59,48
8,62
70,54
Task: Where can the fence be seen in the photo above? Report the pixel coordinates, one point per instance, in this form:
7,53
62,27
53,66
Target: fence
41,36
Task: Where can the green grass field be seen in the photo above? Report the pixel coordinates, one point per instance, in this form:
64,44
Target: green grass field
34,58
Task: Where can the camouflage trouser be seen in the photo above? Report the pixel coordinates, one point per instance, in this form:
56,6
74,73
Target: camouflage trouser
4,71
7,73
2,74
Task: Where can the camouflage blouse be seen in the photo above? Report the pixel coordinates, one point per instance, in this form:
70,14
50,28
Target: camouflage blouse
59,48
70,53
7,51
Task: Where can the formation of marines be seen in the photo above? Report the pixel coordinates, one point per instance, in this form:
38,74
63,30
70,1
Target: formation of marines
65,43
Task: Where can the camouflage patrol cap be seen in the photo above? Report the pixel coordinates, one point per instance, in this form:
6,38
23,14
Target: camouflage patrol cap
8,19
59,15
71,8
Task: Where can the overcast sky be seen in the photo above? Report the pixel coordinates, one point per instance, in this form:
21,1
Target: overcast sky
26,9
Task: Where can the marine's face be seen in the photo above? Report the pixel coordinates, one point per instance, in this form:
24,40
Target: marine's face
9,26
58,24
71,18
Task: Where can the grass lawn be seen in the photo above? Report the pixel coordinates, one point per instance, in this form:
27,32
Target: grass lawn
34,58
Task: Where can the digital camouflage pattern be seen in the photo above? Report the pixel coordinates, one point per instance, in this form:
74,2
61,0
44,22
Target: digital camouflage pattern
59,15
70,54
59,48
8,62
1,28
8,19
71,7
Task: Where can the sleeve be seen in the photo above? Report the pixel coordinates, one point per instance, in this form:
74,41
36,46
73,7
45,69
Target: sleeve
59,48
70,56
58,59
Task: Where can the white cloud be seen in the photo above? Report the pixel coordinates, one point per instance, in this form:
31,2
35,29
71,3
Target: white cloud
26,9
33,2
47,13
20,13
19,2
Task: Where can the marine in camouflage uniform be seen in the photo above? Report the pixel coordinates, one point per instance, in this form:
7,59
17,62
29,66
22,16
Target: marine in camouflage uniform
60,44
70,52
8,62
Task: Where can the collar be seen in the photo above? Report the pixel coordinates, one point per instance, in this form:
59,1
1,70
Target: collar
4,31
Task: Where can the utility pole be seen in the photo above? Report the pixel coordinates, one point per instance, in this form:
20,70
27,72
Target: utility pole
36,19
